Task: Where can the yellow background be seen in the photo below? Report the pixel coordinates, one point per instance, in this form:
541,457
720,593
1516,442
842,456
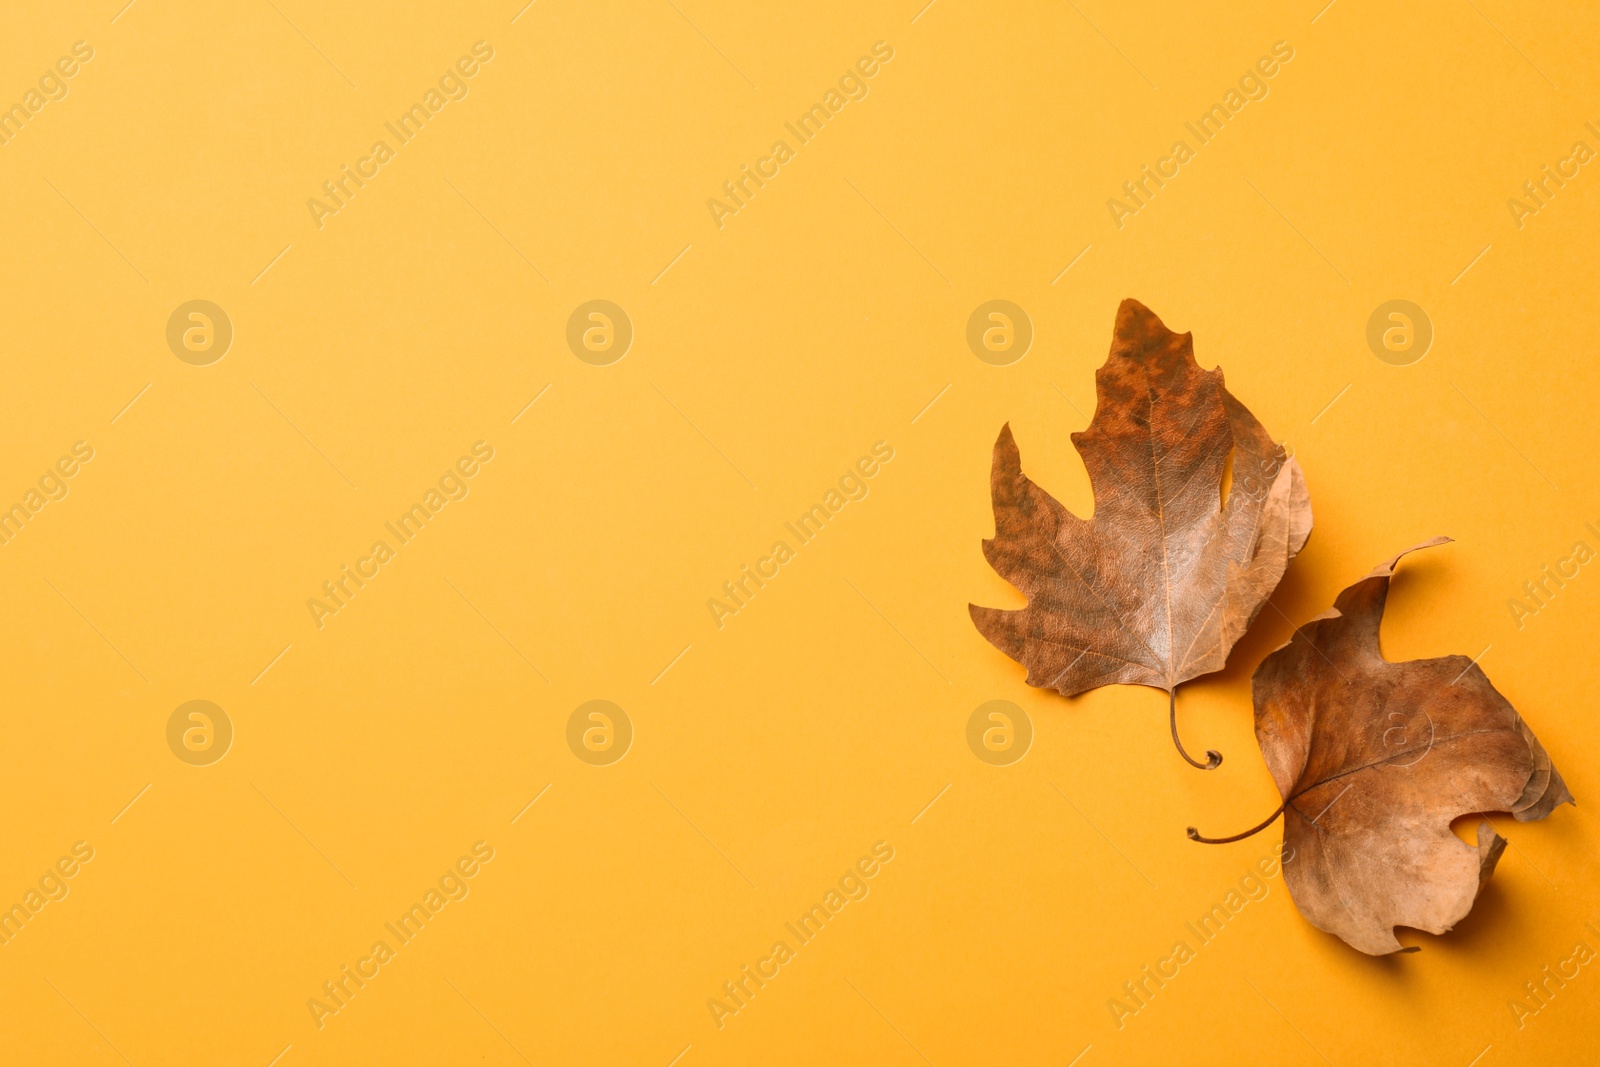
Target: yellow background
828,714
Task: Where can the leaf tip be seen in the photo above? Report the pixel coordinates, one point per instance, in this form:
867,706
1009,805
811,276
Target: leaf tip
1135,322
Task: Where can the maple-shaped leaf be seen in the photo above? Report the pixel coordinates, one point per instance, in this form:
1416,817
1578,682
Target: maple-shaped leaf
1374,760
1161,583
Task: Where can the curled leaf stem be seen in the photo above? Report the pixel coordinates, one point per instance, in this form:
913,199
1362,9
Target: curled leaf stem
1195,835
1213,757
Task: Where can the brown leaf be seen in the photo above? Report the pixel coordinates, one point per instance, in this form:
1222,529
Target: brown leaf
1375,759
1158,586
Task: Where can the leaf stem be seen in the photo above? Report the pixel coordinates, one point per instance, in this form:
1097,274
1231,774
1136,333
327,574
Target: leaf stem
1195,835
1213,757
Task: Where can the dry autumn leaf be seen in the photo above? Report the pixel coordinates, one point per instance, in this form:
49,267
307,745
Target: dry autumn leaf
1374,760
1161,583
